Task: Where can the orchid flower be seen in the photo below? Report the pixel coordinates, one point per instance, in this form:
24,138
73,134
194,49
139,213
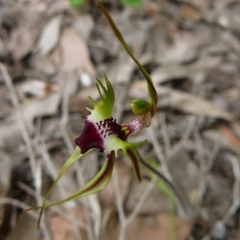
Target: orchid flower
103,132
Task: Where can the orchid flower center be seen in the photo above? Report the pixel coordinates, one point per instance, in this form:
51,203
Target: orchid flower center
94,134
109,127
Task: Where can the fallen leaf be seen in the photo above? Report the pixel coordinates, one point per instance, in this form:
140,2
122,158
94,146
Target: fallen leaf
199,70
10,131
121,70
183,47
40,107
190,103
169,72
84,25
49,36
75,53
183,50
24,36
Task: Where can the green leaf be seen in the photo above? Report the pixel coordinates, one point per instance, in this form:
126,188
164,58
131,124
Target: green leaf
133,3
76,3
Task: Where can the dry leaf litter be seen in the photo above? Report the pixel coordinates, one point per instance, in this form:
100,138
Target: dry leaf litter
50,55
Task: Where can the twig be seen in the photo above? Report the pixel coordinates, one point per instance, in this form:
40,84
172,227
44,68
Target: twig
20,118
142,200
205,168
21,205
38,186
64,118
179,145
159,154
236,188
119,202
42,150
166,137
127,221
25,135
183,208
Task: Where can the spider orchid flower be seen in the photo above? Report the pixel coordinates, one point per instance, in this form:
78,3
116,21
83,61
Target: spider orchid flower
102,132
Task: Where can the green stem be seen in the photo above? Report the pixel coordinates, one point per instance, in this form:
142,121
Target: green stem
151,89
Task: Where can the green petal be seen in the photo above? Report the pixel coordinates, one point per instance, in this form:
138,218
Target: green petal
98,183
73,158
134,157
114,143
103,109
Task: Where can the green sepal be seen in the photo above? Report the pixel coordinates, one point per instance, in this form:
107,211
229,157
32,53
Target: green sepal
76,155
98,183
151,89
103,109
115,144
133,155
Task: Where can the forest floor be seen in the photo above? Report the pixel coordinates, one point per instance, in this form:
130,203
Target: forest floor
50,56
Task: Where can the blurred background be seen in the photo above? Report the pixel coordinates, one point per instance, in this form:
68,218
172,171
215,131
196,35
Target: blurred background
50,54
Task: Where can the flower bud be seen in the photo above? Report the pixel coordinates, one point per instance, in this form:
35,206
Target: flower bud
140,107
